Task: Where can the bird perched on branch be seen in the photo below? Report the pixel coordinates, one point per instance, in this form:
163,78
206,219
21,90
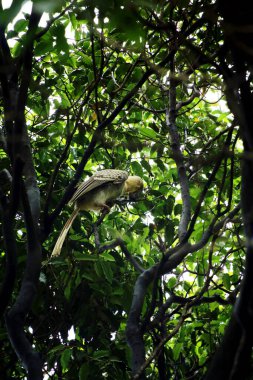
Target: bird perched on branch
94,194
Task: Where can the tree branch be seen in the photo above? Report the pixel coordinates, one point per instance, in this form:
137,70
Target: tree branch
15,318
178,156
171,260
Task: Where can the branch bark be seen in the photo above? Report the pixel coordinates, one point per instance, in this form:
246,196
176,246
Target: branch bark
170,261
233,358
178,155
15,318
19,149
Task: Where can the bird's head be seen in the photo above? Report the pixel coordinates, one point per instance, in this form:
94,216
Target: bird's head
133,184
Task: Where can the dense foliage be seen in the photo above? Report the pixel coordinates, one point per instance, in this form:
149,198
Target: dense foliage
146,291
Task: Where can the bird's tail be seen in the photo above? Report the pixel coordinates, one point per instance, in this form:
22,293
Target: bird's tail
63,234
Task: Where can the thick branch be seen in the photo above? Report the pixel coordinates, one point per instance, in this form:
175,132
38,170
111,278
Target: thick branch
19,138
9,210
11,255
134,334
170,261
27,60
15,319
178,156
236,347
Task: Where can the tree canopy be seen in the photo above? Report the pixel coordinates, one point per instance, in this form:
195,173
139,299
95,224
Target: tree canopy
161,287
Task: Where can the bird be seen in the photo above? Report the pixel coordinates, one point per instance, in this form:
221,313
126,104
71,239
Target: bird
94,194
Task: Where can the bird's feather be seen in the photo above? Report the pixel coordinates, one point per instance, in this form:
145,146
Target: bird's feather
95,192
99,179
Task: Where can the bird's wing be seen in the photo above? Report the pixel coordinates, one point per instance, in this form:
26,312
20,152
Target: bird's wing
98,179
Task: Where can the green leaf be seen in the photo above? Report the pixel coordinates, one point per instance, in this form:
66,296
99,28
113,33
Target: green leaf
172,282
73,20
178,209
177,350
41,48
137,168
148,132
84,257
65,358
226,281
169,232
86,60
16,50
84,371
106,268
101,354
107,257
20,25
